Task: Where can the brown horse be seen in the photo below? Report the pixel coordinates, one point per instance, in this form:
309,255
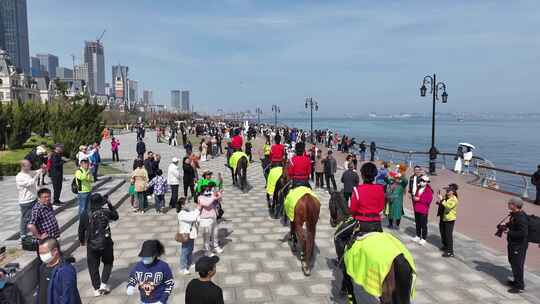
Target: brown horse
306,212
240,176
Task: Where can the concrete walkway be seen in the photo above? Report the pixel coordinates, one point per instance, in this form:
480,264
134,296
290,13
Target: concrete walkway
256,267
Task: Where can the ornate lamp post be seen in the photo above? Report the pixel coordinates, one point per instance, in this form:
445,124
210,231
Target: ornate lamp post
434,87
275,109
259,112
312,105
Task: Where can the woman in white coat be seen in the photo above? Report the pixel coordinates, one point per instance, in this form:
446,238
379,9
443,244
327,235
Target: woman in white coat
458,167
188,218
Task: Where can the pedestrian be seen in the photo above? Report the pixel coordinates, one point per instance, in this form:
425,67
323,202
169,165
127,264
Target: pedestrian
414,180
208,202
26,181
159,183
248,148
458,167
363,149
535,180
139,177
141,148
151,275
57,281
421,202
330,169
115,144
84,179
57,173
203,290
517,229
448,213
372,151
396,191
319,170
43,223
95,159
467,158
189,176
95,234
382,174
188,227
82,154
9,293
350,179
173,179
188,147
204,150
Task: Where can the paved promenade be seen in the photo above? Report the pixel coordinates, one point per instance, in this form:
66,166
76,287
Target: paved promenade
256,267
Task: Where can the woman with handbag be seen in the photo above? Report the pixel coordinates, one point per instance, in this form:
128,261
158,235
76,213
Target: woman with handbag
188,218
139,177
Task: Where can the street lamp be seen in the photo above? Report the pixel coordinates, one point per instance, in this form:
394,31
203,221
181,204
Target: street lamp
434,90
312,105
275,109
259,112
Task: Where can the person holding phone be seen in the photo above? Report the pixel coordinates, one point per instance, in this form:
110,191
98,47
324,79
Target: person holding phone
447,212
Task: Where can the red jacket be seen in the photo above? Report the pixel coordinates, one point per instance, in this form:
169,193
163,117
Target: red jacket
299,168
277,152
367,202
237,142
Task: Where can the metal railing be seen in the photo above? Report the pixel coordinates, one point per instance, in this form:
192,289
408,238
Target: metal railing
489,176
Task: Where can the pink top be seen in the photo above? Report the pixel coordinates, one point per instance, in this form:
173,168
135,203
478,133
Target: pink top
422,201
114,145
209,205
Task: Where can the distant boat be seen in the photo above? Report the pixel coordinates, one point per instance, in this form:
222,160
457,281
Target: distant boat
460,119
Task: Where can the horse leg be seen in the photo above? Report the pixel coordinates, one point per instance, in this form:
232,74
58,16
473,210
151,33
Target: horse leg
397,284
233,175
312,217
244,175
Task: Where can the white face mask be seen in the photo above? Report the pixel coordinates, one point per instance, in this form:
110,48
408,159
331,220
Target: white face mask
46,257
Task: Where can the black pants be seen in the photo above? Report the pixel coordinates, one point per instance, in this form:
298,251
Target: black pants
140,156
115,156
537,201
57,187
298,183
516,257
447,235
188,183
372,155
421,225
319,180
330,177
347,196
94,258
174,196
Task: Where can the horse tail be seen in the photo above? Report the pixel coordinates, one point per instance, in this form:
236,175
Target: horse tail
311,217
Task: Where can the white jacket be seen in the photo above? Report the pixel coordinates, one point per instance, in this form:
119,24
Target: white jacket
187,222
173,175
27,186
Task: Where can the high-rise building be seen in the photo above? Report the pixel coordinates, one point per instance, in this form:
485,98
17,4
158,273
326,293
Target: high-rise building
147,97
108,89
14,33
175,99
185,101
64,73
133,96
48,63
81,73
94,57
35,67
120,81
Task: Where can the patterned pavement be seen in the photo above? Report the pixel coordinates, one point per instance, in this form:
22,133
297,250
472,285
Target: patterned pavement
256,267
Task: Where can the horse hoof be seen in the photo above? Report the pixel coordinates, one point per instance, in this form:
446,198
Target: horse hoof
306,270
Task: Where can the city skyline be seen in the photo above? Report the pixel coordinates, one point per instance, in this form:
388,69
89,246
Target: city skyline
351,57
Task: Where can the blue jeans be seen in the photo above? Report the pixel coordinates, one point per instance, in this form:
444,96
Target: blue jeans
160,201
83,202
26,214
186,252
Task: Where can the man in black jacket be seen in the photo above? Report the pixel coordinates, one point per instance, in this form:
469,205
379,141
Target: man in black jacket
141,148
57,173
535,180
517,238
95,234
350,179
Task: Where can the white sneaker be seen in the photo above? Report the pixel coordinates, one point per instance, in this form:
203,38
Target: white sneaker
415,239
97,293
218,250
185,271
105,288
422,242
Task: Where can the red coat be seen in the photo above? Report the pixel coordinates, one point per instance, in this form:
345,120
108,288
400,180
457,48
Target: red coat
277,152
237,142
299,168
367,202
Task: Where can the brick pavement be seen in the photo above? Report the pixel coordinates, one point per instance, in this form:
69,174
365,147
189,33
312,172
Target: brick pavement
256,267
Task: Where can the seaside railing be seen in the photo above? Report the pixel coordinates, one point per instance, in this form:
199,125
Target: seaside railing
488,176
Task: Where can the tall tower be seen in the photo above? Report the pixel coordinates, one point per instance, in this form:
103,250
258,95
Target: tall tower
94,57
14,32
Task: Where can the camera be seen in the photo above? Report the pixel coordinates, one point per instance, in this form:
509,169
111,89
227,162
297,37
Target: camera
500,229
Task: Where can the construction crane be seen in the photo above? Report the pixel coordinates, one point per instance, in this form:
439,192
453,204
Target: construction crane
98,39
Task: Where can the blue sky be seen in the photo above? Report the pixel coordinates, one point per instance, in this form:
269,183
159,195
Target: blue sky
352,56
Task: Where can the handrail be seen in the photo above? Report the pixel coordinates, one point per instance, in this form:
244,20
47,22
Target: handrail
506,170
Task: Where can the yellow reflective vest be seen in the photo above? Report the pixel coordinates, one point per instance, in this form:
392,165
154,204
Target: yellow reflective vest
369,259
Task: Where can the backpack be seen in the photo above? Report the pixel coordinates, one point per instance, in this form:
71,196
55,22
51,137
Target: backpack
76,186
534,229
99,232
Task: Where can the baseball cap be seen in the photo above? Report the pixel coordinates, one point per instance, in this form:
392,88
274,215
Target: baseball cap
206,264
453,187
